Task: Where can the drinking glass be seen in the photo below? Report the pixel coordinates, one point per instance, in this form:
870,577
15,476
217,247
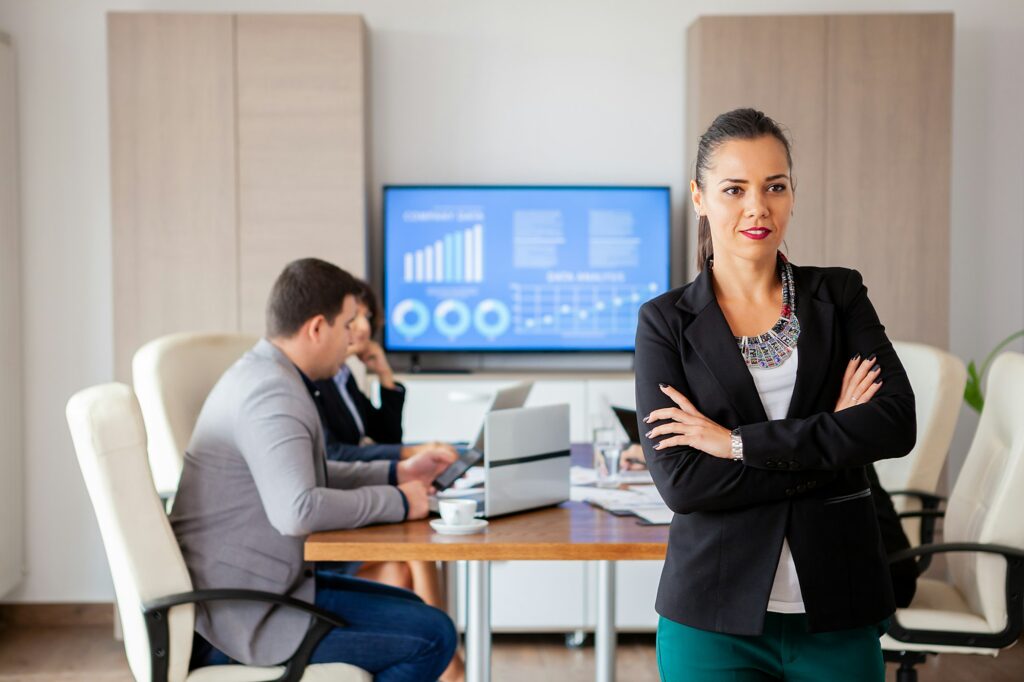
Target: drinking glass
608,448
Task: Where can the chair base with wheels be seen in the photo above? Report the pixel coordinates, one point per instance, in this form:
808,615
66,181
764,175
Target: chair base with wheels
910,639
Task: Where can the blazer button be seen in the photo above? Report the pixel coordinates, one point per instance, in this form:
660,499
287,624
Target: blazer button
769,462
801,487
308,573
789,491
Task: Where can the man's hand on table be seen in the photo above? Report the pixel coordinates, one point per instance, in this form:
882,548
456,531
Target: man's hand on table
416,476
416,495
425,466
633,458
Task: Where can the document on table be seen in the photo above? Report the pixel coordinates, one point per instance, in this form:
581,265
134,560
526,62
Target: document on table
586,476
655,517
642,501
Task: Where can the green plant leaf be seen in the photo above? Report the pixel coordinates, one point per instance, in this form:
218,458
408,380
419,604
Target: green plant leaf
972,391
973,397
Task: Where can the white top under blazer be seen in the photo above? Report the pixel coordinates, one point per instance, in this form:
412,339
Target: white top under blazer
775,386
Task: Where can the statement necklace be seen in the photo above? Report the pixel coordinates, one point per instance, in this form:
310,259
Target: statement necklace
775,346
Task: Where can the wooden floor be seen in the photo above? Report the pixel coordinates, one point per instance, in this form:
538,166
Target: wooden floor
88,653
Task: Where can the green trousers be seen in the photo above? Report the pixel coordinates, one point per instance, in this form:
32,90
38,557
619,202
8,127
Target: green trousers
786,651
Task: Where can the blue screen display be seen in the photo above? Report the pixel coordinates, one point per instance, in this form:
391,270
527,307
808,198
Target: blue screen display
521,268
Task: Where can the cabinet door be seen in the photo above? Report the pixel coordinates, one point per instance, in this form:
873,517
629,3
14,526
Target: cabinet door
720,79
532,596
636,587
888,125
301,148
172,142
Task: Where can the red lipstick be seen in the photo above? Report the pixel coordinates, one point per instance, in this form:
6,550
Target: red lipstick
757,233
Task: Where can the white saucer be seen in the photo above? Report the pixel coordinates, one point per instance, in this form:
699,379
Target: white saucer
474,526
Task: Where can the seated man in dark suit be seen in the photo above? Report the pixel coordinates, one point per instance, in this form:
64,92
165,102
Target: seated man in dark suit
348,416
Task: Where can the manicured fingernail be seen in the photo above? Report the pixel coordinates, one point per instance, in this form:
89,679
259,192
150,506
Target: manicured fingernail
872,357
648,434
876,368
658,446
647,419
855,358
663,386
878,380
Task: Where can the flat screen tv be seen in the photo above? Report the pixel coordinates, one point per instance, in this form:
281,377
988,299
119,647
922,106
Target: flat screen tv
527,269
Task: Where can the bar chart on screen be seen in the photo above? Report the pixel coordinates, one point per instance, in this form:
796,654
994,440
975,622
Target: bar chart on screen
456,257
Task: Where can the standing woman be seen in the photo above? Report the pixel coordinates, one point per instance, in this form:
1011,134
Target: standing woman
767,388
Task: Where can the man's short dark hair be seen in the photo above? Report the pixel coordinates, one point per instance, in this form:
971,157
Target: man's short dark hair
306,288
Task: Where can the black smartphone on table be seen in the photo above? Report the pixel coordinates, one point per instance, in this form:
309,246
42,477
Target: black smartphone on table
467,458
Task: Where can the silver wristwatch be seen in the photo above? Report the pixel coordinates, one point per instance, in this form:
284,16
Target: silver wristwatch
737,445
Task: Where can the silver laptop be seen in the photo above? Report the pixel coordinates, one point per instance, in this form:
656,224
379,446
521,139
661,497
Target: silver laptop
526,461
472,454
504,399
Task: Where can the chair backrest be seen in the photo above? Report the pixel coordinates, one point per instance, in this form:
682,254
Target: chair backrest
145,561
172,376
987,502
938,380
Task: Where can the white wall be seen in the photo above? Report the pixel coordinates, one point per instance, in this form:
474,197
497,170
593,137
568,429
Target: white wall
532,91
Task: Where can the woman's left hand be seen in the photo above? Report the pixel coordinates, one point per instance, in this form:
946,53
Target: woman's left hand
377,363
688,427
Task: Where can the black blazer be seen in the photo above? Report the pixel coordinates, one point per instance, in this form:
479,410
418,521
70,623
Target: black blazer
383,425
802,477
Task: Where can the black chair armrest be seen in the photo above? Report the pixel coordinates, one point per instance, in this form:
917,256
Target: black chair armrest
155,613
927,531
923,514
1010,553
928,500
1014,608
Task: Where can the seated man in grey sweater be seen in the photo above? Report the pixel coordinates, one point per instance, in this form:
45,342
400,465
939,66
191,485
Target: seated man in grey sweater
256,483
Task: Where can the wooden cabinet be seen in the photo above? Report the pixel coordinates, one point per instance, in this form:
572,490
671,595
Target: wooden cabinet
867,100
12,556
237,145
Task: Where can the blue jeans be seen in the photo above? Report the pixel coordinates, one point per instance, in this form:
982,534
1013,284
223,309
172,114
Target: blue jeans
391,633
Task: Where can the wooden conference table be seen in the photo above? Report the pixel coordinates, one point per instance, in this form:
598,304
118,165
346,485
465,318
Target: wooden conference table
572,531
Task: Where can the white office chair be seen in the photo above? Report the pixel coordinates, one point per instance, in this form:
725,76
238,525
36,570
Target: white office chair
154,592
980,611
938,379
172,376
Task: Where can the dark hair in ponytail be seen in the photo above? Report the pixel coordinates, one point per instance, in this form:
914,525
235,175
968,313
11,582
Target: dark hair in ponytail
738,124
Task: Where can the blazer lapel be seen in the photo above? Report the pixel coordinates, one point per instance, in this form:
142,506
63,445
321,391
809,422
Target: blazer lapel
817,321
710,337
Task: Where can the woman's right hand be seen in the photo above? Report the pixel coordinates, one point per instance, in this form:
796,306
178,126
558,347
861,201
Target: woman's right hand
860,382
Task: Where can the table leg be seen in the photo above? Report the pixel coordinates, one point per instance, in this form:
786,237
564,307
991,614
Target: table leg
478,621
604,635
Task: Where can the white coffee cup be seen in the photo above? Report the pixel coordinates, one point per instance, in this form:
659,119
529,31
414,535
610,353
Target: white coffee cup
457,512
